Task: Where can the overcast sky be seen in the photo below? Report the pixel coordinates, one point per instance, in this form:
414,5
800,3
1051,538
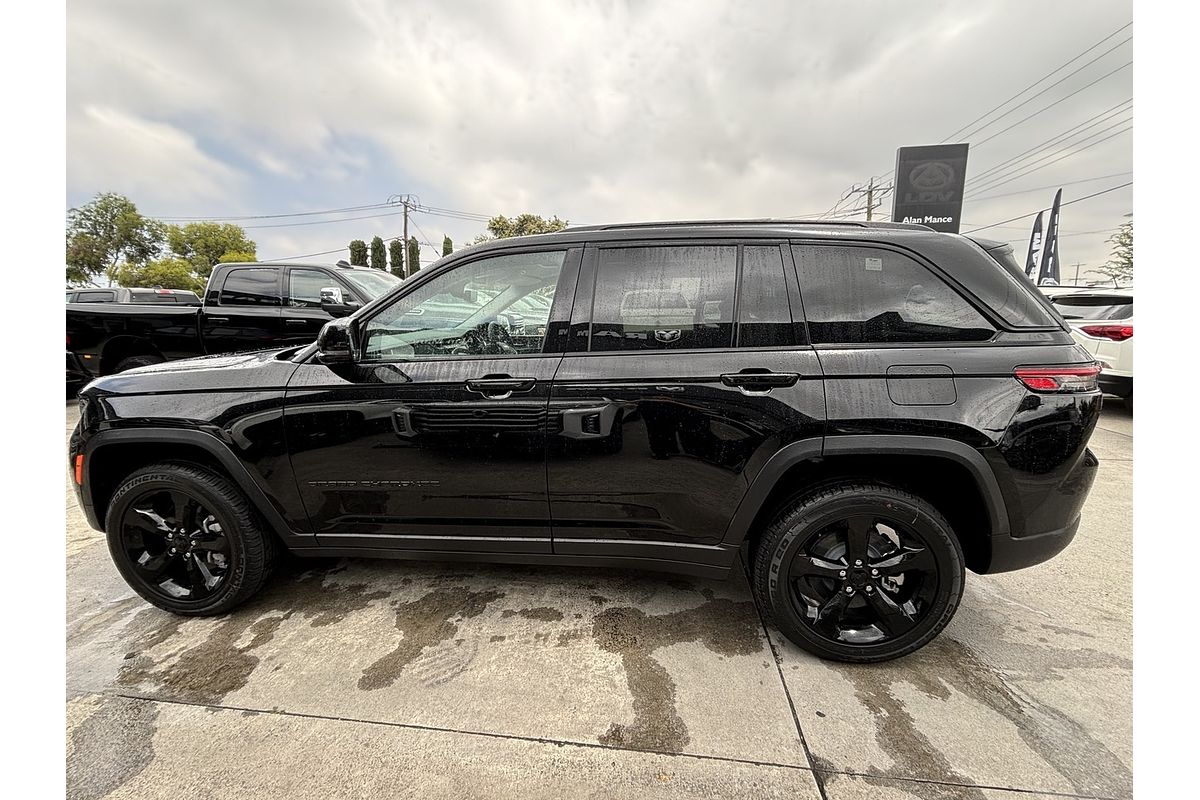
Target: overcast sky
594,111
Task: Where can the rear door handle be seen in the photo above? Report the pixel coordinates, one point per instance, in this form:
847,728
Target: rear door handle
499,387
296,321
759,381
216,319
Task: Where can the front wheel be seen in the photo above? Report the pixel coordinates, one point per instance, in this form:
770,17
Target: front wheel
859,572
187,540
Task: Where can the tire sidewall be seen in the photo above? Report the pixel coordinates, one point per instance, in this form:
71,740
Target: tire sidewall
813,517
140,484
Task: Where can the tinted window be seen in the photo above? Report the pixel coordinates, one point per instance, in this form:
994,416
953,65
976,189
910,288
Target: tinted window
1094,306
96,297
305,287
764,313
655,298
867,294
494,306
254,286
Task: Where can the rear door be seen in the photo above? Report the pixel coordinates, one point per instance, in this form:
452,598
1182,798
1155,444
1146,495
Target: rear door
687,371
243,313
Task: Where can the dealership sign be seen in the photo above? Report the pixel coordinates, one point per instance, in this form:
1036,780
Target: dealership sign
929,185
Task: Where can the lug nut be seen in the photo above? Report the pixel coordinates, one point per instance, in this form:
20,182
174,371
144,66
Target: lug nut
842,573
849,590
172,551
870,589
875,572
858,562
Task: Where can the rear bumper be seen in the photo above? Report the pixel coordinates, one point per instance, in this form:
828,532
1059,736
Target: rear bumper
1010,553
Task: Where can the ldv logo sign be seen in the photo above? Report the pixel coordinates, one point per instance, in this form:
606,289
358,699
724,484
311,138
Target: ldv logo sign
932,181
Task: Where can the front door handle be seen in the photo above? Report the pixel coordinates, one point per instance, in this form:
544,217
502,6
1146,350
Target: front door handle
295,321
500,387
759,381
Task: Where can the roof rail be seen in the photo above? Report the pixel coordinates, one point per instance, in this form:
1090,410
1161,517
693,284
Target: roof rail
765,221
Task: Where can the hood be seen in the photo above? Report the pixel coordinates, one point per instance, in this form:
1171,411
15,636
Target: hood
264,369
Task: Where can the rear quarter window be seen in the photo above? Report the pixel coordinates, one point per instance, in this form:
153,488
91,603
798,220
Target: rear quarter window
862,295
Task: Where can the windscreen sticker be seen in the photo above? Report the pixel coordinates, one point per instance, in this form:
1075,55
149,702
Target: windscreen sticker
874,265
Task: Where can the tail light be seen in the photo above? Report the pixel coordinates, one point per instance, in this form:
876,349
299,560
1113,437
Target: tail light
68,341
1118,333
1076,378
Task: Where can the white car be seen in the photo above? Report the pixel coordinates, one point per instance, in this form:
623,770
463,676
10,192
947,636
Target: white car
1102,321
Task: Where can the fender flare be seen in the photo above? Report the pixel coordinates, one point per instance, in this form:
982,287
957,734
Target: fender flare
810,449
211,445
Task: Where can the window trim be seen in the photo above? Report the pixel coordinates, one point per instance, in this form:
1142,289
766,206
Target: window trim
998,326
572,253
278,270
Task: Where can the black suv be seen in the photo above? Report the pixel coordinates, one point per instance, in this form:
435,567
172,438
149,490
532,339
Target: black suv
866,410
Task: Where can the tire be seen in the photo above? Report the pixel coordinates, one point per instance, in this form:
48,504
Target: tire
137,361
229,539
794,591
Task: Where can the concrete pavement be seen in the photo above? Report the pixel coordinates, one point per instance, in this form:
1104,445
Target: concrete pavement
357,678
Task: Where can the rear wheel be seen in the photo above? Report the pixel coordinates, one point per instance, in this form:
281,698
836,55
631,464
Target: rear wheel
137,361
859,572
187,540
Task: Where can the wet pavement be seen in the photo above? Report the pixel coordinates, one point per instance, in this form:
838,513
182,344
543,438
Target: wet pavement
358,678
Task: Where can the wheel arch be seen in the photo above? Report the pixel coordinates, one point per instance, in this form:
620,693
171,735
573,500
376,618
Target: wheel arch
951,475
111,456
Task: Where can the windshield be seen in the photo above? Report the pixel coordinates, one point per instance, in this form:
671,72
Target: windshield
371,282
1073,306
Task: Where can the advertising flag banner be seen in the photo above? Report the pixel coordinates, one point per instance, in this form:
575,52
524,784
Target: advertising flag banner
929,185
1035,248
1048,275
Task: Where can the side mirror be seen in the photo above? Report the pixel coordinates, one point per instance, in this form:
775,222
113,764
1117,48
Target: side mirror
332,296
335,343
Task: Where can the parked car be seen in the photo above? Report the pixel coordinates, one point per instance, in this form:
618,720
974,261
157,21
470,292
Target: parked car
119,294
1102,321
866,410
246,307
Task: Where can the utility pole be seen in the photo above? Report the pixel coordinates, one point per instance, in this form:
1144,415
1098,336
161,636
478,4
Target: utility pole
871,191
1077,265
410,203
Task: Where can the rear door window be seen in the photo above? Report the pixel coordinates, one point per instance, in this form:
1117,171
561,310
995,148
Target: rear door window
866,295
664,298
96,297
305,285
251,286
764,310
1073,306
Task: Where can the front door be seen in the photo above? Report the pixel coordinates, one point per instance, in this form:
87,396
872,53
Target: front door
690,372
243,312
435,440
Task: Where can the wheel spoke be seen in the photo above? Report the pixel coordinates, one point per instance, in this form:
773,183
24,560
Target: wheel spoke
208,578
896,619
154,567
830,614
184,508
814,567
147,520
217,545
907,559
858,535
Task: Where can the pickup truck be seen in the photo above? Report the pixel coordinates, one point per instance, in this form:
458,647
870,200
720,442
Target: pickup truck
246,306
120,294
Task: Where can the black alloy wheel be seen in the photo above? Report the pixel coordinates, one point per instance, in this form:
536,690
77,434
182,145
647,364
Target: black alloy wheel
175,544
860,572
187,540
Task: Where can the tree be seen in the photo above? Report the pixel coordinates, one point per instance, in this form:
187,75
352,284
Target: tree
168,273
358,253
396,252
414,255
447,246
107,232
501,227
1119,266
204,244
378,254
236,257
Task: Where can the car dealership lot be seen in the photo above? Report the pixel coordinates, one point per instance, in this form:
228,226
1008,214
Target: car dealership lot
350,678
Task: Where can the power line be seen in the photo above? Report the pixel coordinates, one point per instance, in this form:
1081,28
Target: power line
323,221
347,209
1035,83
1043,188
1011,178
1069,202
